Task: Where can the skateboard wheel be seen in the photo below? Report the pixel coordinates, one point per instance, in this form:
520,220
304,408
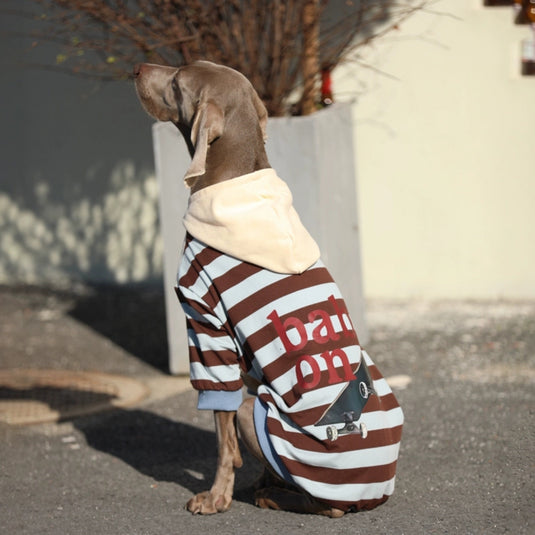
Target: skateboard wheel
332,433
363,430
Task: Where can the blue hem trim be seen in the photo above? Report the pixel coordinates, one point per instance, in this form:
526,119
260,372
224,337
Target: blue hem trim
262,434
219,400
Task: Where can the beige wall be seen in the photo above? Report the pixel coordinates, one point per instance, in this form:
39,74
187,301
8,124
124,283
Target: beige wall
445,154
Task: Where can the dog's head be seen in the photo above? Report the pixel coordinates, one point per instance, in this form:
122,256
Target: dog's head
198,98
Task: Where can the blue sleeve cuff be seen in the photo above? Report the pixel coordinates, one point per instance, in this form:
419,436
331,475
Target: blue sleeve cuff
219,400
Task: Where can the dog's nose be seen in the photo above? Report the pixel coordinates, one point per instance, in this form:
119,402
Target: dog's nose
137,69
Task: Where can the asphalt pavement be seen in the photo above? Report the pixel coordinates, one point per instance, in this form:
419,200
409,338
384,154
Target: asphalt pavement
464,373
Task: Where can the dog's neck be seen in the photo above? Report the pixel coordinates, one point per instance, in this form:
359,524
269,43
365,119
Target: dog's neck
239,151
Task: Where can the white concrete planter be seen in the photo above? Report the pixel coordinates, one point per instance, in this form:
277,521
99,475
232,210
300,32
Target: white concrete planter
314,155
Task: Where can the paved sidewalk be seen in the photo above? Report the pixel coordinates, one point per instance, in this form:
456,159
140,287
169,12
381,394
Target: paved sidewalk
467,460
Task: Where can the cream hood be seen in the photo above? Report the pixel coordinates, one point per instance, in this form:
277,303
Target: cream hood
252,218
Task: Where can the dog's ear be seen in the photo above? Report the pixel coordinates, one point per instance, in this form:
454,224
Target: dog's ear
262,113
207,127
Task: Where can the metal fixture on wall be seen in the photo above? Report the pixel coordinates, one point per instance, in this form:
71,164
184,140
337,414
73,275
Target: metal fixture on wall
524,13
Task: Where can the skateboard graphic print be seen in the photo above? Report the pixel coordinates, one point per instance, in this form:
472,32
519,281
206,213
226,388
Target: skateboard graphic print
348,407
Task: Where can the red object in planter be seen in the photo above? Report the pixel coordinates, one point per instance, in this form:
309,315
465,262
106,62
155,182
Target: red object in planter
326,88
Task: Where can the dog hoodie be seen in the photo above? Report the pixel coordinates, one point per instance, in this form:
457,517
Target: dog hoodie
259,302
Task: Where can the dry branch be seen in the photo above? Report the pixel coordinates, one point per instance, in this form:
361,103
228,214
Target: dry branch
280,45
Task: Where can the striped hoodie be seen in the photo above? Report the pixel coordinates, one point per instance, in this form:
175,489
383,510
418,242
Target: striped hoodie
259,302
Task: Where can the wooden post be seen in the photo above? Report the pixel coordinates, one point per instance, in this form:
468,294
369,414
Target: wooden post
310,61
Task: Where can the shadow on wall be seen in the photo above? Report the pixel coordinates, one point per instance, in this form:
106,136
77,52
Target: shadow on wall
114,238
78,195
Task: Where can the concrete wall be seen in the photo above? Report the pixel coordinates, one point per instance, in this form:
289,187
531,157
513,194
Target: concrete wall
445,144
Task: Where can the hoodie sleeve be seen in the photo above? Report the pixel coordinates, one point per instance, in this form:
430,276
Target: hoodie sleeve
214,355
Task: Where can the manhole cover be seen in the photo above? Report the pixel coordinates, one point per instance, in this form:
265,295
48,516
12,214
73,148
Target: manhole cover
37,396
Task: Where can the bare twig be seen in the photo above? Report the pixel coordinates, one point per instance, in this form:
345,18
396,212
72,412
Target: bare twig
280,45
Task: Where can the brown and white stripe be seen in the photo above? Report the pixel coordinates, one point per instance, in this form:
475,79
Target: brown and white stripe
293,334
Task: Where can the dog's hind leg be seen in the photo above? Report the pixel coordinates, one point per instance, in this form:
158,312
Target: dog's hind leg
279,494
295,501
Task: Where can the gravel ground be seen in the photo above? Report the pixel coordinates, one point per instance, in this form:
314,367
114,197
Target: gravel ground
467,460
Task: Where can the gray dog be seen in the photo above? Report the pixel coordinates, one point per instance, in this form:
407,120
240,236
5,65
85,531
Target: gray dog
262,310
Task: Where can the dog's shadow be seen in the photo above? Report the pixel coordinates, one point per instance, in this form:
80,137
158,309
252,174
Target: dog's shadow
165,450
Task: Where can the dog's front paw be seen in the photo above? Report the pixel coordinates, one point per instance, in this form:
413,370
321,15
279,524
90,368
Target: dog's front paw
207,503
